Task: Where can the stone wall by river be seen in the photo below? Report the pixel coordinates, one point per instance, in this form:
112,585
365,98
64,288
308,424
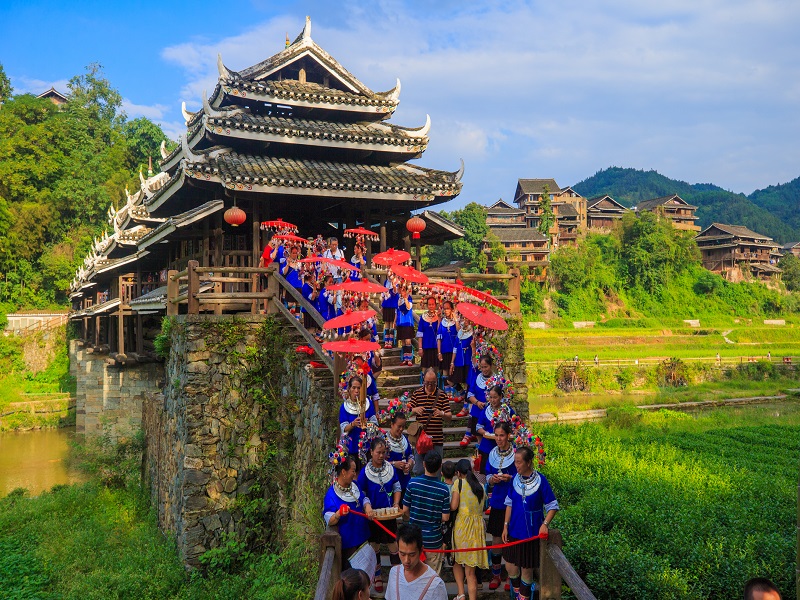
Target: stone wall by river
237,410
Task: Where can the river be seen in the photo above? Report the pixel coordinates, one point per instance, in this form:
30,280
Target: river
35,460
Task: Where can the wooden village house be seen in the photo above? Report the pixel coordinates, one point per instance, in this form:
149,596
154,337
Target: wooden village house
680,212
569,207
523,246
297,137
725,248
791,248
603,212
501,214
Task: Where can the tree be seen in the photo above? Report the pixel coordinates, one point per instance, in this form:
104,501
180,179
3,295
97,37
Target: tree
546,218
93,93
791,272
5,85
144,138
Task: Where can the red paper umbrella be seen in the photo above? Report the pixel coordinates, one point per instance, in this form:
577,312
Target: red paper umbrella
351,346
288,237
370,235
486,297
391,257
480,315
409,274
317,259
340,264
278,225
359,287
349,319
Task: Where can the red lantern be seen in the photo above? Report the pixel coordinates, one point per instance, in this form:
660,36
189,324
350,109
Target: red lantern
416,226
235,216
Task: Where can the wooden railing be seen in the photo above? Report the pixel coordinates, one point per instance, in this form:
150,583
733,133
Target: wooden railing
224,280
554,568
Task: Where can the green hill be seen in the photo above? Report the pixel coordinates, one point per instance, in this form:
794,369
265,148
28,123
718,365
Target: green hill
774,211
783,201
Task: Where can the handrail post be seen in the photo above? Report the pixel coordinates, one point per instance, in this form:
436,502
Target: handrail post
330,540
274,287
549,577
194,288
514,290
172,293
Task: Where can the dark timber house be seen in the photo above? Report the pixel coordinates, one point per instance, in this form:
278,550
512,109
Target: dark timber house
297,137
680,212
726,247
603,212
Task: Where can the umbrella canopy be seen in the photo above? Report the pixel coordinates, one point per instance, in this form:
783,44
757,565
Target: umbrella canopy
278,225
482,316
317,259
486,297
351,346
391,257
340,264
359,287
409,274
288,237
370,235
349,319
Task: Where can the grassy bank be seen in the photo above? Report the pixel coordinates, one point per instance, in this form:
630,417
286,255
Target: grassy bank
100,540
668,505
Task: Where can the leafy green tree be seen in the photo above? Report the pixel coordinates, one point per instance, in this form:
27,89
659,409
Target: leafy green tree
5,85
143,138
93,93
791,272
547,218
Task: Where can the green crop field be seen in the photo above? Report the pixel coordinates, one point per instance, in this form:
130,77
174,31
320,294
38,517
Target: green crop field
629,344
668,505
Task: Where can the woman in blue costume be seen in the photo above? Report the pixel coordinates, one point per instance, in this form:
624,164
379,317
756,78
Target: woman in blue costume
389,309
486,423
530,506
500,470
401,454
446,337
358,261
378,480
292,271
476,396
427,330
462,362
349,416
354,529
405,325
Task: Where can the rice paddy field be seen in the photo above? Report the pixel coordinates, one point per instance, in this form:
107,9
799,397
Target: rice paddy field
751,363
672,505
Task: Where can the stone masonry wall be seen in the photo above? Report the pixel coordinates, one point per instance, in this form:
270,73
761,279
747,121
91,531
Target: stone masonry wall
207,438
109,398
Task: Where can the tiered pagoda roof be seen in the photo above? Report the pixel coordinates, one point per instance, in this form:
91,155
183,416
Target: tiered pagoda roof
297,133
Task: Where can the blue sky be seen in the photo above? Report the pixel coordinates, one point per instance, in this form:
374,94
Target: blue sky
699,90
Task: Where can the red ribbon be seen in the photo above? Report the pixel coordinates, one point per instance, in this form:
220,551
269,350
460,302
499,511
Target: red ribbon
345,509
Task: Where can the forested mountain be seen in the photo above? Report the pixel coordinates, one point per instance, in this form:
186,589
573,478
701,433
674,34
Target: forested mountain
60,169
774,211
783,201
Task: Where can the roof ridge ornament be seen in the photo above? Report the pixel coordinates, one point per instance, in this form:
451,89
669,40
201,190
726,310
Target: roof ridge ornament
225,74
163,149
188,155
460,173
422,131
187,116
307,29
392,94
220,114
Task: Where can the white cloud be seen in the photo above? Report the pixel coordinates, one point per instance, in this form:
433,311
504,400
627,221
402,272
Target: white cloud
705,90
153,112
28,85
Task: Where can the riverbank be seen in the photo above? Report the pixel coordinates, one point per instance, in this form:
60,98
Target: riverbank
99,540
42,411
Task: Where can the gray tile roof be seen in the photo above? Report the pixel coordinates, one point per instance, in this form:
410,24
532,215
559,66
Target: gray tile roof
291,89
656,202
567,210
518,234
737,230
384,133
308,173
536,186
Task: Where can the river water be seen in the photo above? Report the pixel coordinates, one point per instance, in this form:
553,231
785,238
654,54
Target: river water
35,460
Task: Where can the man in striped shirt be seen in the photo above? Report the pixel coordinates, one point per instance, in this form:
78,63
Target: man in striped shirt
430,406
427,504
